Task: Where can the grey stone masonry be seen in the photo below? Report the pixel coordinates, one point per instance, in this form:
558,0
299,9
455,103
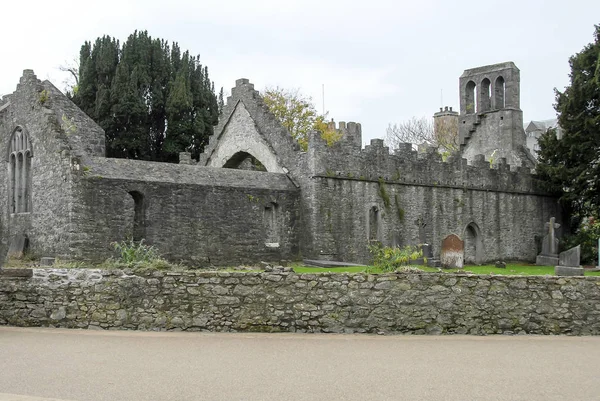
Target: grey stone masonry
569,263
280,300
255,195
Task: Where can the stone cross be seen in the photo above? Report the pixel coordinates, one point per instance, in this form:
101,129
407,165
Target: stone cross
551,237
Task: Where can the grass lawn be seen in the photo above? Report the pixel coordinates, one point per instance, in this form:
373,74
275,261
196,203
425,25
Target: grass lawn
511,269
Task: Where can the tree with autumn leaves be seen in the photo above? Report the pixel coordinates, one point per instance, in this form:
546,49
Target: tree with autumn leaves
298,114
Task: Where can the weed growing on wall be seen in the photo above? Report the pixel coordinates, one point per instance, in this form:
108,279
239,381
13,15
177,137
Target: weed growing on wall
43,97
383,193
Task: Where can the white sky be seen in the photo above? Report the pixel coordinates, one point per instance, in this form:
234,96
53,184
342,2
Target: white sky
381,61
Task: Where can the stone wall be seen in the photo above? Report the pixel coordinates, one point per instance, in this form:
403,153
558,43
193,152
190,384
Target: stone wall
37,109
419,198
197,215
428,303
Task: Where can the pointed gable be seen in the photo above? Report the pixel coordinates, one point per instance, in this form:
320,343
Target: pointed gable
248,128
240,136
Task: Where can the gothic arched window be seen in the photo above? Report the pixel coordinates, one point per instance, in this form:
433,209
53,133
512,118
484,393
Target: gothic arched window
19,172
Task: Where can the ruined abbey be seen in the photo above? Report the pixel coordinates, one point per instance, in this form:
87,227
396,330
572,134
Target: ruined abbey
61,195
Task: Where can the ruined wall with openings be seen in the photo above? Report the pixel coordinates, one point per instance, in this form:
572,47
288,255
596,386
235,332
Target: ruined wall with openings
491,120
197,215
358,196
54,134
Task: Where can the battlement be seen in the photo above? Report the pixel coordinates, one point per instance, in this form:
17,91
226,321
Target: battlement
351,133
409,167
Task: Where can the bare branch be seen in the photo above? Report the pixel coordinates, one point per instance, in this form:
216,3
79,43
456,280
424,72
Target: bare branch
416,131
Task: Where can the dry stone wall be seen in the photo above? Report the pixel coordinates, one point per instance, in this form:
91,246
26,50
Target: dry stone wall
427,303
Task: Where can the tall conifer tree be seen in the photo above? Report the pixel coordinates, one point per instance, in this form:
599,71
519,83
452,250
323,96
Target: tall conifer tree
152,101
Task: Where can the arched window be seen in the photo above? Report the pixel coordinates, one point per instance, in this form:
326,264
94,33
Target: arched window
485,95
499,90
19,166
470,97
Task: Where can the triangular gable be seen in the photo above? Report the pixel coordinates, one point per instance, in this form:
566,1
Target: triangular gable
240,134
248,126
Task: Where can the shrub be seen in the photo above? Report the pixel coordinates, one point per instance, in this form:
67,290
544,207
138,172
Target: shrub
132,253
389,259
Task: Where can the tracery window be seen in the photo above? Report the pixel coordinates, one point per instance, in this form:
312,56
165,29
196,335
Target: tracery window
19,172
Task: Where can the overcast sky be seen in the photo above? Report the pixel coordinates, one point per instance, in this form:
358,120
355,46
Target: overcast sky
381,61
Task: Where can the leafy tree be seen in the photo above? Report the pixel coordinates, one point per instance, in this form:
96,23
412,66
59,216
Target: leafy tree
152,99
570,166
298,114
422,131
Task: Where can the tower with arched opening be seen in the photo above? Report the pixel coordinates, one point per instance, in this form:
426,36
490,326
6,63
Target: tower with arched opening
491,121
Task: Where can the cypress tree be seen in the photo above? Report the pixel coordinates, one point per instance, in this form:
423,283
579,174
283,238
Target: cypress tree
152,100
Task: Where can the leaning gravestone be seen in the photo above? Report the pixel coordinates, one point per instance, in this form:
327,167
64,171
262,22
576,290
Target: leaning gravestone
549,255
18,246
569,263
453,251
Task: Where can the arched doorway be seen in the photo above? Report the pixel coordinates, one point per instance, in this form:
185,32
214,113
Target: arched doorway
473,244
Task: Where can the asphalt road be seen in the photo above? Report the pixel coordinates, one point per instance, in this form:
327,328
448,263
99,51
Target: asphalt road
53,364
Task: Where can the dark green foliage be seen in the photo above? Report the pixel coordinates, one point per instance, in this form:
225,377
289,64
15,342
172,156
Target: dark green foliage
570,166
152,100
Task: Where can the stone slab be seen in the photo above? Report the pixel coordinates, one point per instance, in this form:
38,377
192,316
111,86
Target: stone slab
570,257
18,246
328,263
545,260
26,273
568,271
46,261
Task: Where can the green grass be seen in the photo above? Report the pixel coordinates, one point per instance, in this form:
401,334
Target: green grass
345,269
512,269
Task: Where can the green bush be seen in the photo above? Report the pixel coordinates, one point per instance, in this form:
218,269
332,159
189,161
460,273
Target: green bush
132,253
387,259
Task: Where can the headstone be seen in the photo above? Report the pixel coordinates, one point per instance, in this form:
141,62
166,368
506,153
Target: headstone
427,251
47,261
570,257
18,246
569,263
549,255
453,251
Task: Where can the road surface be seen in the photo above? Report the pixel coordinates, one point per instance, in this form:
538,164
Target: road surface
79,365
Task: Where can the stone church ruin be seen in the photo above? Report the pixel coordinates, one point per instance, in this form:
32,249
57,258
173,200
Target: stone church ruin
64,198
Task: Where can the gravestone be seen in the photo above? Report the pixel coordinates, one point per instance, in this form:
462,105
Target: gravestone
46,261
427,251
549,255
18,246
453,251
569,263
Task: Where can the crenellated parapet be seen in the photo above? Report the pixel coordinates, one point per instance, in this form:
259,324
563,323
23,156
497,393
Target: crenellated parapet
406,166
